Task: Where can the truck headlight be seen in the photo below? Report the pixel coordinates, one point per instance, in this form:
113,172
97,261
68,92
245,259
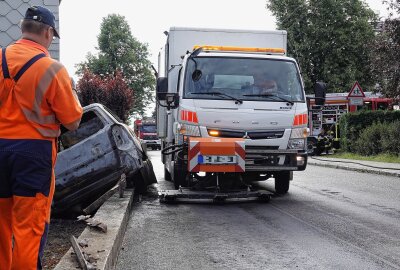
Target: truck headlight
298,138
189,130
296,144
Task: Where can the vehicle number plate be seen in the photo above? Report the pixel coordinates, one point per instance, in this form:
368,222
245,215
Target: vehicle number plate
217,160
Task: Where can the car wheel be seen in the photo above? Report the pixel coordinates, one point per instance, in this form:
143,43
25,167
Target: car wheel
139,181
282,182
152,179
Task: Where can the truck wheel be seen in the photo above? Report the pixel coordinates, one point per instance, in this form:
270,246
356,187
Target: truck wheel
282,182
311,145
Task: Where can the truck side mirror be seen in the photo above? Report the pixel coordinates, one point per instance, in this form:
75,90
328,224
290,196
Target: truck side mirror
172,100
320,92
162,88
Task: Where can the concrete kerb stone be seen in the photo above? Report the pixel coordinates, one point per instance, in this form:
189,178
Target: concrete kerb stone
104,247
351,168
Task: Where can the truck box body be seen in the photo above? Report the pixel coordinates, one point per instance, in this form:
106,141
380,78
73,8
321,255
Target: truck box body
181,40
222,93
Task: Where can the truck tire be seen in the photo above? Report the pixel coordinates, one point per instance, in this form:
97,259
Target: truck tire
282,182
311,146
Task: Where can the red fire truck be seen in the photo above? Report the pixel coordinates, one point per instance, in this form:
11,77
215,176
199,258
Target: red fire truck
323,119
146,131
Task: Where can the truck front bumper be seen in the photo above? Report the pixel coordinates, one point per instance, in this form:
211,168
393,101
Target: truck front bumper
259,160
152,143
232,155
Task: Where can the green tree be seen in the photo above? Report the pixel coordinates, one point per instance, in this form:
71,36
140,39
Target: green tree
120,51
329,40
385,53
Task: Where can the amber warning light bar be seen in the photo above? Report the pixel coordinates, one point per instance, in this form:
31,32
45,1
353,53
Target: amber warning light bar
241,49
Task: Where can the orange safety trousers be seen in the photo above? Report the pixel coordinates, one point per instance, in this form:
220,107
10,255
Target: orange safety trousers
27,186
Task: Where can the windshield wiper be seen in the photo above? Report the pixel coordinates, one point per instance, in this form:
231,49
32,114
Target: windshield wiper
270,95
216,93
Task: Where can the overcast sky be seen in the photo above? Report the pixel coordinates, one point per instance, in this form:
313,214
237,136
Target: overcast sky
80,21
149,19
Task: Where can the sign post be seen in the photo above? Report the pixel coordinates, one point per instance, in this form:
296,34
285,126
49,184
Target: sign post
356,95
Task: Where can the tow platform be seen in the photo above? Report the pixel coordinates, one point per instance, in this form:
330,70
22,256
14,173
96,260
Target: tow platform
195,196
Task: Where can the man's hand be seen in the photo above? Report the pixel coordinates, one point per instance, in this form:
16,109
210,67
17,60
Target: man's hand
73,125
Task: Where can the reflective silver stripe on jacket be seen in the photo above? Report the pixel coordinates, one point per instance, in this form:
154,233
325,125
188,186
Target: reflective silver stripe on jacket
35,114
46,132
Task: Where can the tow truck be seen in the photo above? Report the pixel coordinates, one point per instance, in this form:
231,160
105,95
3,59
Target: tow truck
231,111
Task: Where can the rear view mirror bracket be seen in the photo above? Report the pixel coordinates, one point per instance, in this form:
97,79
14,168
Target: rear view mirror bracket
171,100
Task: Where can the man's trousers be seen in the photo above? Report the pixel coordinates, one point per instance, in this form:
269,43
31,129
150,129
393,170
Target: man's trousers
26,191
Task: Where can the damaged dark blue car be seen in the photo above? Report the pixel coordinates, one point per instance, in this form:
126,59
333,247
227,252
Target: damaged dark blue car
92,159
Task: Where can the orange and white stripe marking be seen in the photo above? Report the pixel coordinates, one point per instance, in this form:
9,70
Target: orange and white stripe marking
216,147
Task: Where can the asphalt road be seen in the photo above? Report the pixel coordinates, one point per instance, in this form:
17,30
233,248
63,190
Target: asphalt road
330,219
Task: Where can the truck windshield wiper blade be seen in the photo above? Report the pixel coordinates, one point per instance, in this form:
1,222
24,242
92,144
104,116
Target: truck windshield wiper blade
219,94
269,95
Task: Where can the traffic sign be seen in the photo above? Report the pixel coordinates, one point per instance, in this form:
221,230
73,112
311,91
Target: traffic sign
356,91
358,101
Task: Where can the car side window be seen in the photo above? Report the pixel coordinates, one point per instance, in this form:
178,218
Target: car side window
90,124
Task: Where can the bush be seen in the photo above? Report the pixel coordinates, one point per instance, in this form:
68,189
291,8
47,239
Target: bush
390,137
370,140
379,138
351,125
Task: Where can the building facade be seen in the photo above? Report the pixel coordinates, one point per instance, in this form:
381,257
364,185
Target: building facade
11,13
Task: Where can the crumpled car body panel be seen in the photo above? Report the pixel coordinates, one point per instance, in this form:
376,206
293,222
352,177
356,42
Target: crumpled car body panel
92,158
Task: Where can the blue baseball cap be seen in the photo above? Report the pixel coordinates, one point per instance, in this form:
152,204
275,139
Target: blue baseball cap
43,15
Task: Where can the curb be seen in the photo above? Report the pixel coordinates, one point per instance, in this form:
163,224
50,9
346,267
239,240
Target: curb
104,247
348,168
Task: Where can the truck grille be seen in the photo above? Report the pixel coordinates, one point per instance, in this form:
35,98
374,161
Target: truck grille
150,137
254,135
265,134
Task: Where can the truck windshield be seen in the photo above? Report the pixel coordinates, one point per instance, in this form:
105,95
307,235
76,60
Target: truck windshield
244,79
148,129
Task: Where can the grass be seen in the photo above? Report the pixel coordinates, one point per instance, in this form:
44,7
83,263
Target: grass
378,158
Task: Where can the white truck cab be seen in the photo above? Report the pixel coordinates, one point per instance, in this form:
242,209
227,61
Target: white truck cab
230,102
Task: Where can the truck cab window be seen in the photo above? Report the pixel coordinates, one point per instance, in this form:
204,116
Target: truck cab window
148,129
243,78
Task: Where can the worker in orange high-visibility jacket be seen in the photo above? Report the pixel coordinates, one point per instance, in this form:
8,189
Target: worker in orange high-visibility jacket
35,98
